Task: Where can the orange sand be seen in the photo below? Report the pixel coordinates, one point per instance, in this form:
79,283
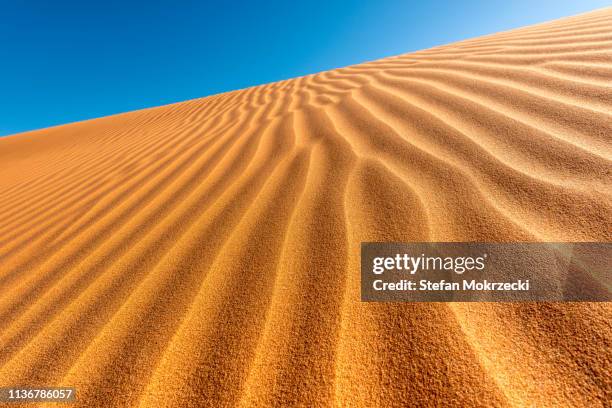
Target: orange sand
207,253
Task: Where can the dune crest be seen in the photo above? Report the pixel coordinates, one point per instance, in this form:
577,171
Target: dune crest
206,253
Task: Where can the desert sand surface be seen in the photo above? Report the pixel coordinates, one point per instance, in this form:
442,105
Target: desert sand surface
206,253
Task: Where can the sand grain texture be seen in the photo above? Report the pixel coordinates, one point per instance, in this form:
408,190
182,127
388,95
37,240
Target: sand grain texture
206,253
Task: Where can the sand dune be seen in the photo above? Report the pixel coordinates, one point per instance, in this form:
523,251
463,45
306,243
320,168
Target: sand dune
206,253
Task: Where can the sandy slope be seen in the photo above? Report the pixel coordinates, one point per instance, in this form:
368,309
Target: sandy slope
207,253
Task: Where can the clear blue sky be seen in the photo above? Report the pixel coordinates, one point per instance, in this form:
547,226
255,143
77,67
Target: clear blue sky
64,61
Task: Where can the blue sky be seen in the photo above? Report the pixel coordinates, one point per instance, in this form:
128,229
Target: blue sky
64,61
